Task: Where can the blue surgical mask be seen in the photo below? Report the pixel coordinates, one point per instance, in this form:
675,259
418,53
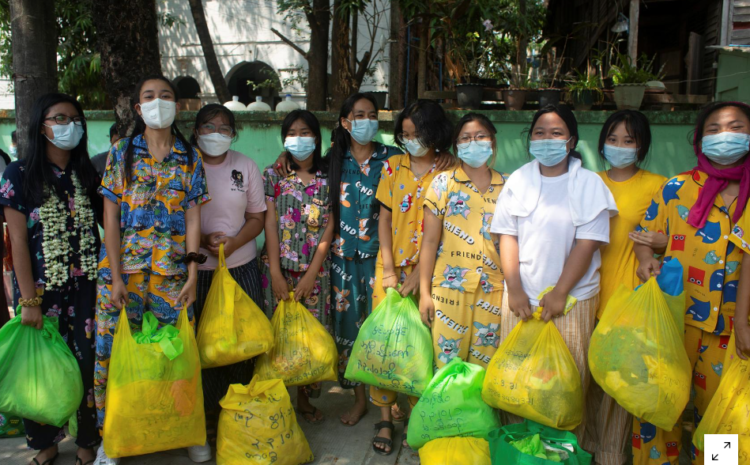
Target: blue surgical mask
67,136
415,148
549,152
475,153
620,157
364,130
300,147
726,148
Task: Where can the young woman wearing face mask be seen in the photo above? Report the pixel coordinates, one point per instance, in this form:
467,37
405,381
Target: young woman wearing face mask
424,132
624,143
299,233
54,187
153,187
460,275
354,163
699,210
552,217
234,218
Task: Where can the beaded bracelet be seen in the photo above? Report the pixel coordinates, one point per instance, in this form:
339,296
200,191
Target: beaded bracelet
198,258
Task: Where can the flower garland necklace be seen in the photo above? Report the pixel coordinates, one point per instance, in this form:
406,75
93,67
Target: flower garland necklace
56,247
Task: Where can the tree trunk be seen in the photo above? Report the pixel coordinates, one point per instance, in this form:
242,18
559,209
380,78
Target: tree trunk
353,47
212,63
317,56
397,55
341,74
523,40
424,42
128,42
34,30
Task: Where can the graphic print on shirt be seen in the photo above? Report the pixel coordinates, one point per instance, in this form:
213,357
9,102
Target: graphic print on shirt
448,348
683,211
700,310
487,335
484,281
670,190
405,205
238,180
485,229
342,303
457,204
710,232
344,195
363,229
454,277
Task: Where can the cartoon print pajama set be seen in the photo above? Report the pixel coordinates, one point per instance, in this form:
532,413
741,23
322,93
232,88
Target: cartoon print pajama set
354,250
402,192
152,218
302,213
467,283
711,264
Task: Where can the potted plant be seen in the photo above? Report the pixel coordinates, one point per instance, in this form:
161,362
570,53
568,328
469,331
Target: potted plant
515,95
630,80
549,93
585,90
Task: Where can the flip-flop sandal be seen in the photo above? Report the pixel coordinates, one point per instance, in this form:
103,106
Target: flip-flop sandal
358,419
381,440
313,413
396,418
50,461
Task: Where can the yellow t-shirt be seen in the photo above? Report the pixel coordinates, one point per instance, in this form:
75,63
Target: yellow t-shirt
401,192
619,264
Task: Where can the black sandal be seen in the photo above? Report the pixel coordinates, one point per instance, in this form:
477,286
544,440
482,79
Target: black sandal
90,462
48,461
313,413
381,440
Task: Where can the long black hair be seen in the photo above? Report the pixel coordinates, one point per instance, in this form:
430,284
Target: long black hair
209,112
568,118
637,126
38,169
312,122
140,126
433,126
342,141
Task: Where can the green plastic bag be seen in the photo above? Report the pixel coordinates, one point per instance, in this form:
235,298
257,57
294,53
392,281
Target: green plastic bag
452,406
394,348
506,442
39,376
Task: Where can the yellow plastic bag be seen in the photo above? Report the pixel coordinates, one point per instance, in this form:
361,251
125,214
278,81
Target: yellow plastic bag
728,411
257,425
637,355
232,328
303,352
153,403
533,375
455,451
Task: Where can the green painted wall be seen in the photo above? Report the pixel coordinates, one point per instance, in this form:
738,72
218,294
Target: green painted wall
260,139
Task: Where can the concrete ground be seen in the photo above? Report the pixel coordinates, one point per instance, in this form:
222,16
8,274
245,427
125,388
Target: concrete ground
330,441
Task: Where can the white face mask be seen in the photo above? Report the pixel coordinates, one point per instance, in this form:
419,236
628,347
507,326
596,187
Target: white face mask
215,144
67,136
158,113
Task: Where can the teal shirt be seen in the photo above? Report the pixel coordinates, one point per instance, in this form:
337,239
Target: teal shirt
358,233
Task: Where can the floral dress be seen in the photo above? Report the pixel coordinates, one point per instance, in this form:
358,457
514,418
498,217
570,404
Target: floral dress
73,303
302,213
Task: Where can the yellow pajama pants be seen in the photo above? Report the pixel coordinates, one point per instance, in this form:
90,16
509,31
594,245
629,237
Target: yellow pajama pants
654,446
576,328
467,324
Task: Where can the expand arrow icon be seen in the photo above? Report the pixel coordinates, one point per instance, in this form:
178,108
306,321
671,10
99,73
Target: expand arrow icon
727,445
715,457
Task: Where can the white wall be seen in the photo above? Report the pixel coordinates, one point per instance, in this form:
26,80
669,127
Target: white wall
241,32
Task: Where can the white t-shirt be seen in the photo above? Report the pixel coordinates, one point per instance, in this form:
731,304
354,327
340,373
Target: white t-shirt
546,237
235,187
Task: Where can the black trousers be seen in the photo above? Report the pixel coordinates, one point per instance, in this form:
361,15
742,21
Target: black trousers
75,308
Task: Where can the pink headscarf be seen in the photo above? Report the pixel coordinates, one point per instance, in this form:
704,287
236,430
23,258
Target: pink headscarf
717,181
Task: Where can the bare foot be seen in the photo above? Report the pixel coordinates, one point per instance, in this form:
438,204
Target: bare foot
309,411
397,414
86,455
352,417
404,443
45,454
